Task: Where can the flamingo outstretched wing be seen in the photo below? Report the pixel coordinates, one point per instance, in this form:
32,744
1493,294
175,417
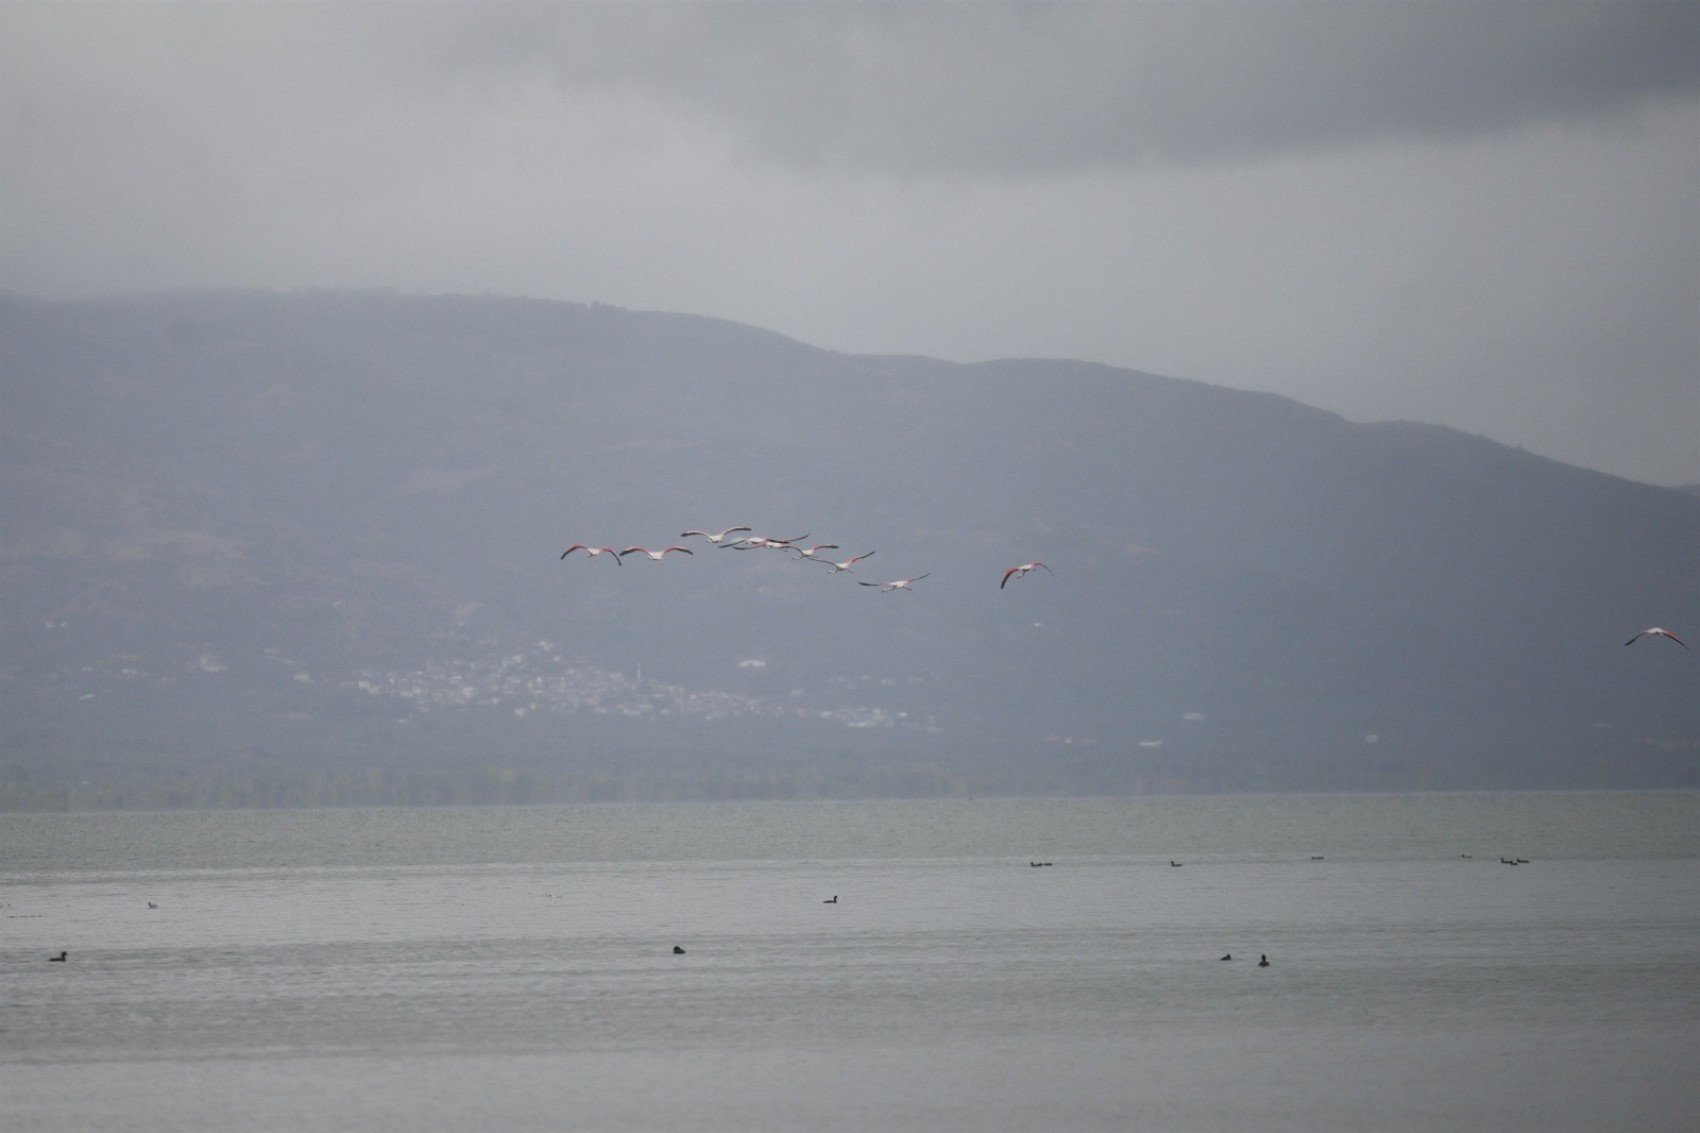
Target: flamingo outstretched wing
1656,631
657,556
715,536
896,583
593,552
846,564
1021,570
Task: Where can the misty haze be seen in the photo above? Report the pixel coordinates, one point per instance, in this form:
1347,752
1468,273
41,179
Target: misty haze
307,549
839,567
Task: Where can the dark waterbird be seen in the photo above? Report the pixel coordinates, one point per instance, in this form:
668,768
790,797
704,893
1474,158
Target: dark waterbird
59,959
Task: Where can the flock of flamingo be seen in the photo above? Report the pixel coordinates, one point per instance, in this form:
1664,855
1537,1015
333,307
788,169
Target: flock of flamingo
748,541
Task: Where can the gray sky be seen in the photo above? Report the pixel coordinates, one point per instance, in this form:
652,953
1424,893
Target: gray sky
1480,214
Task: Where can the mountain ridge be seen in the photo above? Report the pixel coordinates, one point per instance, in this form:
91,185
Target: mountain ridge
369,485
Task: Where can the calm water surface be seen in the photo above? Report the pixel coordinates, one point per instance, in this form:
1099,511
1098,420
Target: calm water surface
512,968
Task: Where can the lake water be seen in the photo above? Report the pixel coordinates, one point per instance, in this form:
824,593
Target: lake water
513,968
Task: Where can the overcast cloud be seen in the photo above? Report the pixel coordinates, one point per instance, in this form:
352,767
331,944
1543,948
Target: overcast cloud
1485,215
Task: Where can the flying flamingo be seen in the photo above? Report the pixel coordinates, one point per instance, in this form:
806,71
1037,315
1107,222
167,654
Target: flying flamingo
811,552
1656,631
1022,571
895,584
715,537
762,542
655,555
592,551
845,565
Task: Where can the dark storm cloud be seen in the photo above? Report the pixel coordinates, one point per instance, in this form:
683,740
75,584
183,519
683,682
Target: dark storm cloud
1480,213
1033,88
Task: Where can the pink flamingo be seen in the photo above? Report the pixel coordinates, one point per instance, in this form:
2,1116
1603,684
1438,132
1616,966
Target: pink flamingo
895,584
592,551
655,555
1656,631
811,552
845,565
1023,571
716,537
762,542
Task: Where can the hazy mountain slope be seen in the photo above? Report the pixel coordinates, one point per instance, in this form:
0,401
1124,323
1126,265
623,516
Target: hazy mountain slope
262,531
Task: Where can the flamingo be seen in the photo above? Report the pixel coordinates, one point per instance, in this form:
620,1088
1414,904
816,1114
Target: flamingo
655,555
845,565
762,542
1022,571
1656,631
591,551
716,537
811,552
895,584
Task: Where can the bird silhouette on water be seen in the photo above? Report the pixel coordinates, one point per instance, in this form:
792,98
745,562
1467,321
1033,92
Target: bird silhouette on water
1263,962
832,900
677,951
59,959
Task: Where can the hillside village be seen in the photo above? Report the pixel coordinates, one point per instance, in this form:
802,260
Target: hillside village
530,678
541,679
